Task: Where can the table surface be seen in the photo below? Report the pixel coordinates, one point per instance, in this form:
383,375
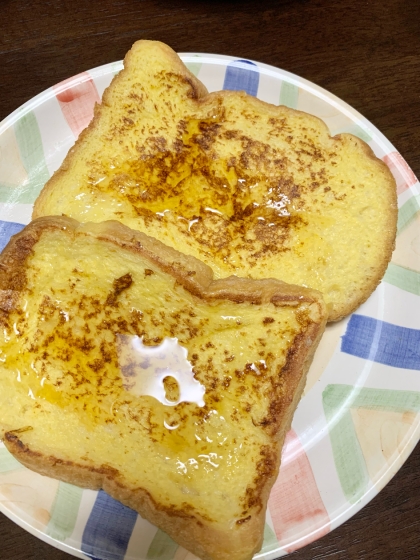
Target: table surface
366,53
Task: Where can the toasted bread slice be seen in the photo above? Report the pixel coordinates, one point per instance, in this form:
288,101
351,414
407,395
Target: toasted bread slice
126,366
247,187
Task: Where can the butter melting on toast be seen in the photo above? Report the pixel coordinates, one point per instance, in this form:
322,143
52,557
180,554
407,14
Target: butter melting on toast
126,366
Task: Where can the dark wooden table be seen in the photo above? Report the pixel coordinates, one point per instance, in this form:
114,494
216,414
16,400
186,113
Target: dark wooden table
367,53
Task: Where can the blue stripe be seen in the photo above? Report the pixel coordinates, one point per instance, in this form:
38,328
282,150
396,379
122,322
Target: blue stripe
242,75
382,342
108,529
7,229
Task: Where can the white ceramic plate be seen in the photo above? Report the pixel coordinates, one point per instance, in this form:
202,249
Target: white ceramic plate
359,418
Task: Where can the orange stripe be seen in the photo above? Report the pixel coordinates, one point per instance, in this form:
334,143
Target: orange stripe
404,176
77,101
295,504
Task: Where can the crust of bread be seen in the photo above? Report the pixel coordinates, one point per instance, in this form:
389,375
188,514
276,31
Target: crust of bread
194,275
190,529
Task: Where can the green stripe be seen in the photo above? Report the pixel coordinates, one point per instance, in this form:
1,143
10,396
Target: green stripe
289,94
194,67
64,511
407,212
348,456
162,547
270,540
29,140
356,130
13,195
117,67
338,396
8,462
385,399
404,278
337,402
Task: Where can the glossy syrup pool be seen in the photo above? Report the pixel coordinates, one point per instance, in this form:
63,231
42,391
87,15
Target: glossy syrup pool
188,436
162,372
214,200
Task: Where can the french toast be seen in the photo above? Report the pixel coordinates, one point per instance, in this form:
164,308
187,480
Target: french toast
249,188
126,366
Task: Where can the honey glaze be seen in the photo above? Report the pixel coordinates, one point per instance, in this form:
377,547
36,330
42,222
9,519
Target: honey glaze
224,205
102,379
188,441
143,370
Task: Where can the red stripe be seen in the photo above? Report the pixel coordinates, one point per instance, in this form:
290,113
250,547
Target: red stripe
77,97
295,504
404,176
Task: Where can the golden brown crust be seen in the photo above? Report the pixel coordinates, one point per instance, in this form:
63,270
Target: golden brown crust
191,529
